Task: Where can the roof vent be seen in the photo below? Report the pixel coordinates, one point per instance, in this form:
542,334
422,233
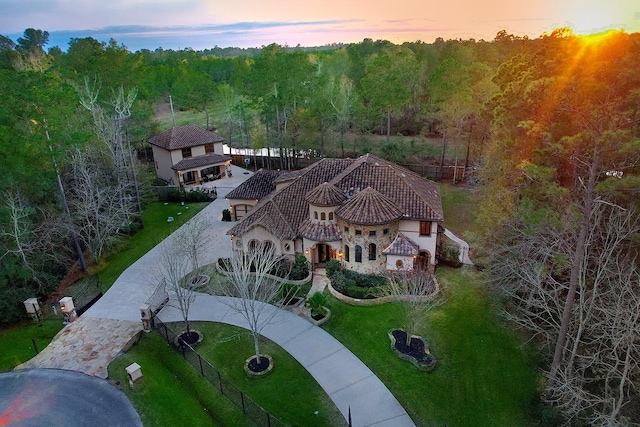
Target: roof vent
377,164
403,175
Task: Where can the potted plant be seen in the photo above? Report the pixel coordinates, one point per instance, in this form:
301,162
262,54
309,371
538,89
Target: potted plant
316,303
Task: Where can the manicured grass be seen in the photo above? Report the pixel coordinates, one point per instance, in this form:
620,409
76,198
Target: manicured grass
290,393
16,346
483,376
172,389
156,228
172,393
458,209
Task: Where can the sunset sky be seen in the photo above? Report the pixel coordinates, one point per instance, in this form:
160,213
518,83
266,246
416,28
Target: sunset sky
200,24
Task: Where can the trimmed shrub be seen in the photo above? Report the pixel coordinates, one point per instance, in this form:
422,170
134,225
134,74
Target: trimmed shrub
226,215
450,254
357,285
331,267
300,268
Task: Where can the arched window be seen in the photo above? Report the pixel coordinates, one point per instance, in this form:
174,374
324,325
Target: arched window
358,253
399,264
346,253
315,214
372,251
323,216
330,216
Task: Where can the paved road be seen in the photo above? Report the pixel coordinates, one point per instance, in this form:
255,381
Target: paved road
343,376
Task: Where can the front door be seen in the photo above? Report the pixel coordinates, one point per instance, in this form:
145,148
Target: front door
324,254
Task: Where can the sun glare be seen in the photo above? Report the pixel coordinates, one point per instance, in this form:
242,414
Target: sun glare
596,38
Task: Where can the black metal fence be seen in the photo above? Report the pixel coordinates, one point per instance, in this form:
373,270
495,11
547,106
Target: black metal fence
250,408
88,294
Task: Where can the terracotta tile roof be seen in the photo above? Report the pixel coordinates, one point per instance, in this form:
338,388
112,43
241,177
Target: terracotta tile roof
369,206
183,137
415,197
269,217
200,161
259,186
325,194
288,176
320,231
402,245
289,201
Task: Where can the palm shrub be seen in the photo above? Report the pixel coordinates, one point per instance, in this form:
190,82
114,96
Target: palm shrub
317,304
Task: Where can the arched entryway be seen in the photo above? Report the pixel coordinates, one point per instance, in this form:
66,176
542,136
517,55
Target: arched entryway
422,261
322,253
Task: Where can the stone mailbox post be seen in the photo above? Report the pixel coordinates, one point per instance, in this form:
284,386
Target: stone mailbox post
146,316
68,309
33,309
134,373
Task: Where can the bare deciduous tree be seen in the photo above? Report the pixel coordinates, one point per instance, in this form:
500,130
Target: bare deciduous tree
94,202
417,291
600,361
108,129
179,265
252,289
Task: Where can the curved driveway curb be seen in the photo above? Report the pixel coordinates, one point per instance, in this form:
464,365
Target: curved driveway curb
347,381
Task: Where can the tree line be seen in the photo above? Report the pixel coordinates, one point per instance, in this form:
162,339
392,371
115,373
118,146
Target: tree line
551,124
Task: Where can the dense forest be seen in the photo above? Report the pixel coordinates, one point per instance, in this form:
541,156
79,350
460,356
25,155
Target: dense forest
551,124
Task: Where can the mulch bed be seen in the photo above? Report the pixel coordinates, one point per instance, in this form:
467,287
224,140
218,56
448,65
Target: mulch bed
259,367
416,351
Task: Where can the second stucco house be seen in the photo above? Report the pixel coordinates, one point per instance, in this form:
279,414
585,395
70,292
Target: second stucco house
371,214
189,156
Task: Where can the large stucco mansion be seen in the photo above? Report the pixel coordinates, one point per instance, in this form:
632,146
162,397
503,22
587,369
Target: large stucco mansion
371,214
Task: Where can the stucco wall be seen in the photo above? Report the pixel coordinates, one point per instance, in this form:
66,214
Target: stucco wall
407,262
162,159
260,234
411,229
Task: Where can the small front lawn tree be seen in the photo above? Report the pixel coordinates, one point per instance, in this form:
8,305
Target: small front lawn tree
253,288
417,291
180,265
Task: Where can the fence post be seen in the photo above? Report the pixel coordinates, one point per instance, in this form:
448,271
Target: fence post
34,342
242,399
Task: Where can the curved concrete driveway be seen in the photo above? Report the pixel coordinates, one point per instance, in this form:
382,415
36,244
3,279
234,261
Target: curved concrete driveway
91,342
347,381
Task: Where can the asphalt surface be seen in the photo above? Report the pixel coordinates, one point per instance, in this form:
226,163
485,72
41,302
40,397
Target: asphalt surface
52,397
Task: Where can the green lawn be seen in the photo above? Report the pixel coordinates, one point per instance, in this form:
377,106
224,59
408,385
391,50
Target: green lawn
171,387
289,392
156,228
483,376
16,346
172,393
458,213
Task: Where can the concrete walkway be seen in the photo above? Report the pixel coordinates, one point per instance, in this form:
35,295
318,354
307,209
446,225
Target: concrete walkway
345,379
464,247
90,343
